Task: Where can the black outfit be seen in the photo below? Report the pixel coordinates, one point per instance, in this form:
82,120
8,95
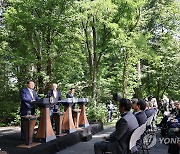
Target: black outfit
141,117
118,141
71,96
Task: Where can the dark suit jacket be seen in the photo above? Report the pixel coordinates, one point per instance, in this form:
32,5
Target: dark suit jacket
58,97
119,139
26,99
149,112
69,95
141,117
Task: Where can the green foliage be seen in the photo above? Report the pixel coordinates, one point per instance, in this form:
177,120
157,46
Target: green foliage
98,112
99,47
9,113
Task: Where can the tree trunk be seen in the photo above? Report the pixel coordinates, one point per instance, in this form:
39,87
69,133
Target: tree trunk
124,81
49,68
137,90
40,78
94,79
158,91
148,82
49,61
166,87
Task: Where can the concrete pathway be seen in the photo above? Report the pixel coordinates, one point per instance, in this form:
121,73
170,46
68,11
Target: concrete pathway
88,147
9,130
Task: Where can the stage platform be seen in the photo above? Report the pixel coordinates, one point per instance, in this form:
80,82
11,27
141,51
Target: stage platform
12,144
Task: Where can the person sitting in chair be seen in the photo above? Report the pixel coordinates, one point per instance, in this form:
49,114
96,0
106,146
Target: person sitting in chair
149,111
118,141
139,107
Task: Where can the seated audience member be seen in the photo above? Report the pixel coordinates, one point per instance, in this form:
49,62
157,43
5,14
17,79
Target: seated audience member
174,131
170,117
117,96
174,121
118,141
134,104
139,107
154,103
149,111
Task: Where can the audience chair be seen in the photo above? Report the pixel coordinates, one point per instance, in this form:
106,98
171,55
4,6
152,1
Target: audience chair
136,136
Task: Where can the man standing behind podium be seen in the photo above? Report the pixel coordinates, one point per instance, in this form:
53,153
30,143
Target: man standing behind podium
27,95
57,96
71,95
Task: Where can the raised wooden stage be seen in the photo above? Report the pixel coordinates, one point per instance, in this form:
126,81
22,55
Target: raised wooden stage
11,142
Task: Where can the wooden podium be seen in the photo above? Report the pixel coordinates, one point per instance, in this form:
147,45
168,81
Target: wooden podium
29,122
67,123
58,118
83,121
75,115
45,131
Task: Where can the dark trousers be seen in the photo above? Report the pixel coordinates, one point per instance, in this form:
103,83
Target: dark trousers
100,147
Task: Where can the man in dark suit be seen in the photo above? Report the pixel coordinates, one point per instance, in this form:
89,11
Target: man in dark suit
118,141
71,95
28,96
149,111
139,107
56,94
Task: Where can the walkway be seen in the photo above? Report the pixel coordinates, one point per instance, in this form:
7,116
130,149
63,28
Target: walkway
88,147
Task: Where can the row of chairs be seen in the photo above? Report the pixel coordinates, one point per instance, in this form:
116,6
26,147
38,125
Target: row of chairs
138,136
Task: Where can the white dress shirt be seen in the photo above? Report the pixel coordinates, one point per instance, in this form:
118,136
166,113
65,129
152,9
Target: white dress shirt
55,93
31,92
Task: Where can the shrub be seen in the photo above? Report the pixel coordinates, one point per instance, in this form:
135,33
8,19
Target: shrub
9,111
98,113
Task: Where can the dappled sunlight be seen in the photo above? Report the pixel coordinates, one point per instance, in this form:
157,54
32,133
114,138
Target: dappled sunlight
101,135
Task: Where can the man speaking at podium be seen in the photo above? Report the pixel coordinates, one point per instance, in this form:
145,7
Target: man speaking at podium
56,94
27,95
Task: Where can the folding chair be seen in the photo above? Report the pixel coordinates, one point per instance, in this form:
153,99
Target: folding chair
136,135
